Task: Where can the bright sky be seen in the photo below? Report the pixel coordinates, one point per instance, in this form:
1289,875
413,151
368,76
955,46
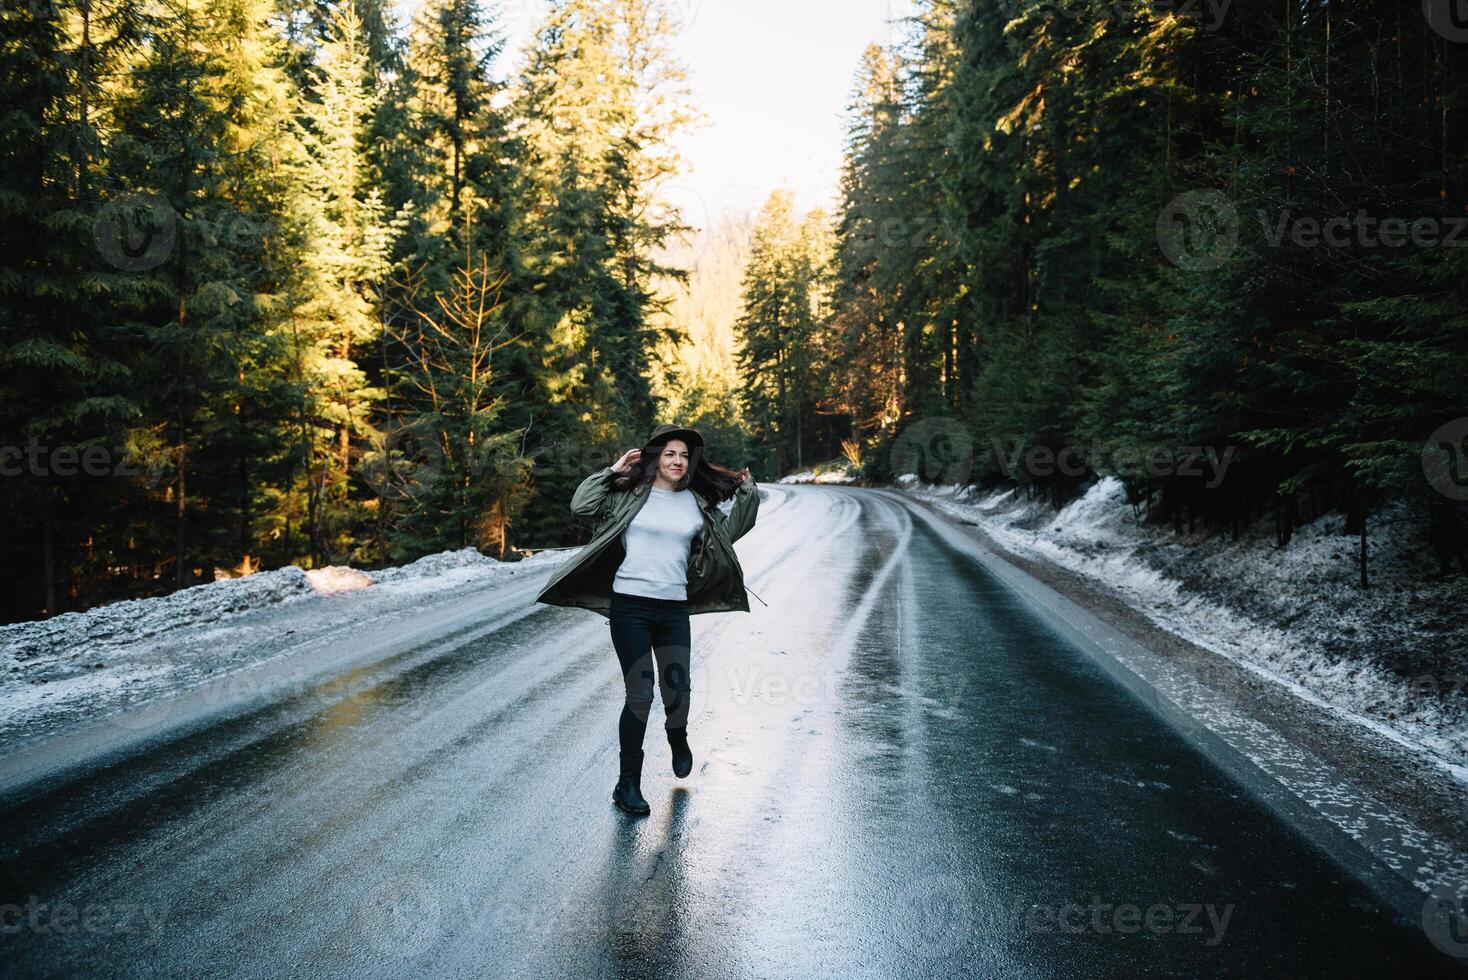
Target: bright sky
772,78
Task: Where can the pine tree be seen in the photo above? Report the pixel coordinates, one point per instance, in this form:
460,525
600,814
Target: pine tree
334,312
597,107
65,388
868,388
201,136
454,126
785,295
458,474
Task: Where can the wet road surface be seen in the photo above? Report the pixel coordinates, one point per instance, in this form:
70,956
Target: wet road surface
901,770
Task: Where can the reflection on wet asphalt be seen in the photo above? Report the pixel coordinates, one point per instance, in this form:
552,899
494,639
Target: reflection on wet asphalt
900,771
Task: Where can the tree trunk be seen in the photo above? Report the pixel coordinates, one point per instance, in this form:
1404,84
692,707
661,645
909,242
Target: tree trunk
243,475
180,527
48,550
1364,583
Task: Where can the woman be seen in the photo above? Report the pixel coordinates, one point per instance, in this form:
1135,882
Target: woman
662,551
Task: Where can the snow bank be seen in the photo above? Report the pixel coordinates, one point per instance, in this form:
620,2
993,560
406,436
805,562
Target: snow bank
86,665
829,473
137,619
469,559
1391,658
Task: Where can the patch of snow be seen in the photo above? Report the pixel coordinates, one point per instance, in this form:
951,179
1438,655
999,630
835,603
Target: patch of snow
829,473
431,565
87,665
36,643
337,578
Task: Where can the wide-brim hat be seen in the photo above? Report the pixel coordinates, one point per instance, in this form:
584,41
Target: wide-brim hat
665,432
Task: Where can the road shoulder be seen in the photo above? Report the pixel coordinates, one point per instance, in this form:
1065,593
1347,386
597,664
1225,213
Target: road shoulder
1398,823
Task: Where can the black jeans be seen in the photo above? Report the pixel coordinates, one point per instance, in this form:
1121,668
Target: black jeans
641,628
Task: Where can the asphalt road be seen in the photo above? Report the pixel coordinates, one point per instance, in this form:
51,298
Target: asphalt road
901,770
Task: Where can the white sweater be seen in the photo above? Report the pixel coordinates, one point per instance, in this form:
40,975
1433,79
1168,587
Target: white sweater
657,542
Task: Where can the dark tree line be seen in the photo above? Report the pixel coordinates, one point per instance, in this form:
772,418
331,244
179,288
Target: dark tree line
289,282
1126,230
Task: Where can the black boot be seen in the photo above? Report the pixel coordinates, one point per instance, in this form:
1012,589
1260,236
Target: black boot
628,792
682,754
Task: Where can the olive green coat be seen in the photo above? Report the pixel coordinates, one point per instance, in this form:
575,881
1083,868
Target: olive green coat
715,580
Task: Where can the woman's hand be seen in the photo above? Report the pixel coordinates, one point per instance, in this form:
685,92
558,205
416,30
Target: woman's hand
625,463
746,506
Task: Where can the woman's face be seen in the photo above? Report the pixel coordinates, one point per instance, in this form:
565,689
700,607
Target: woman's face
673,460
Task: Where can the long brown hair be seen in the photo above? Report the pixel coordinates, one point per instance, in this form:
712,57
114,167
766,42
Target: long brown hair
714,483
